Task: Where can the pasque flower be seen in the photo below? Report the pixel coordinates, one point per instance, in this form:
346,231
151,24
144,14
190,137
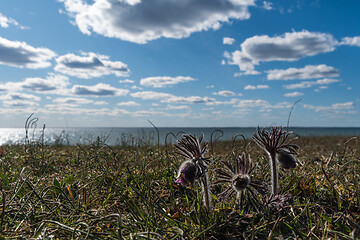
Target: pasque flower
238,176
196,164
279,150
187,173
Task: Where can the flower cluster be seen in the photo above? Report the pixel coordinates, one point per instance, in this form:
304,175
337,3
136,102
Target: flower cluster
236,174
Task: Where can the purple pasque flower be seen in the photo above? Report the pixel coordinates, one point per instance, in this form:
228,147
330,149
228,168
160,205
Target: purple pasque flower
238,177
196,164
274,141
193,150
187,173
279,150
286,160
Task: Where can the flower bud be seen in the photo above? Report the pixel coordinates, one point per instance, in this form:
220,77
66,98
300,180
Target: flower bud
286,160
187,173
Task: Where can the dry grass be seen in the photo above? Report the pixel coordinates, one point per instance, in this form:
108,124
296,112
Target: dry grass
101,192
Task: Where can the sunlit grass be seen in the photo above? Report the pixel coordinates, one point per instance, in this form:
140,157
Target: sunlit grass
124,192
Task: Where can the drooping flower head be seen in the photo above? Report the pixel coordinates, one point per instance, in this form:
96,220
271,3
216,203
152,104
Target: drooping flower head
238,176
196,164
279,150
187,173
275,144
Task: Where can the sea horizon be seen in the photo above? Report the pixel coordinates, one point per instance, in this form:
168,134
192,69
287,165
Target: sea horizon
149,135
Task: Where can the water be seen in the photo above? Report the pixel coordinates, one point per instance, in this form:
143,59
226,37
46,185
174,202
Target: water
142,136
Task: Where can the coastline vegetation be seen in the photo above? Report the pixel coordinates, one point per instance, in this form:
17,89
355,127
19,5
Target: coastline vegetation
96,191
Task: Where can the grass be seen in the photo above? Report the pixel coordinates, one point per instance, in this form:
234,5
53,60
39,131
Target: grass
122,192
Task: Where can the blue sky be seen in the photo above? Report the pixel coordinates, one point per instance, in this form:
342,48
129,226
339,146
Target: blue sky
188,63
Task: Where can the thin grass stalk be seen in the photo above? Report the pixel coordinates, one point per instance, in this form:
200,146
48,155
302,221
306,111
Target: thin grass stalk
158,134
292,108
211,138
234,140
76,229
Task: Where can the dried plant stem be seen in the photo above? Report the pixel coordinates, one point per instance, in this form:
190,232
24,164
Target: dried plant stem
274,174
206,191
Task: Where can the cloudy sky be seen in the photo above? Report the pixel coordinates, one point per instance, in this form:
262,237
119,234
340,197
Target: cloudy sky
188,63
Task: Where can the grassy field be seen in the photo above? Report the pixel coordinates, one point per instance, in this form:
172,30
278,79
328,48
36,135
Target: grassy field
126,192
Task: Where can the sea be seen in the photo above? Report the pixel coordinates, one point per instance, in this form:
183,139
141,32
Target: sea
148,135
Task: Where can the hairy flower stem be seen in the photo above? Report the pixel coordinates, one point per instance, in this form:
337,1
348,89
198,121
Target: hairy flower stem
274,174
240,199
206,191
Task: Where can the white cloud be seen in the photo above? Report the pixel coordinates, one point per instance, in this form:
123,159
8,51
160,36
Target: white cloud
126,81
129,104
147,113
90,65
53,84
5,21
178,107
190,100
22,55
333,107
20,96
134,87
249,103
279,105
100,103
308,84
228,41
233,101
326,81
308,72
98,90
73,110
293,94
248,72
10,87
267,5
159,82
19,100
225,93
20,103
72,100
169,98
288,47
251,87
141,21
151,95
351,41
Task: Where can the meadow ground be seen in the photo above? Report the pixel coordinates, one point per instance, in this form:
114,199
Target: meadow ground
129,192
